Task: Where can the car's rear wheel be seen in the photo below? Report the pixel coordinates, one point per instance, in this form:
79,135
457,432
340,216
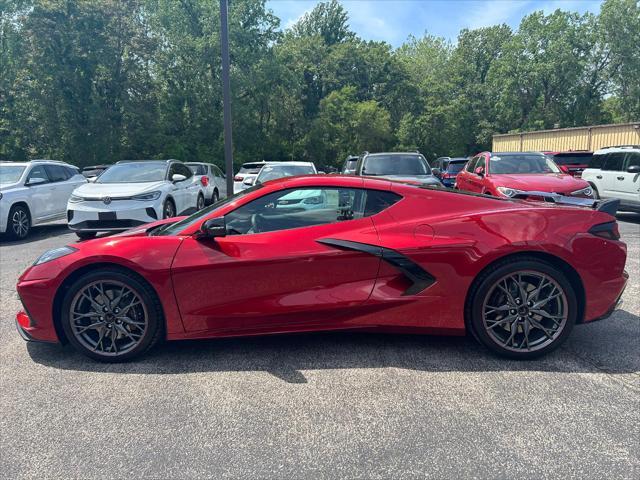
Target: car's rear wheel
111,315
19,222
200,203
215,197
168,209
86,235
523,309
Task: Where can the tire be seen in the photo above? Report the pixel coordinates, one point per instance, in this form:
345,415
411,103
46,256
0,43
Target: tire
596,195
133,336
86,235
168,209
521,329
215,197
200,202
18,222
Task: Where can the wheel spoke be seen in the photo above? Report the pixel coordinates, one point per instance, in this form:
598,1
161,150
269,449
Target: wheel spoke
91,326
499,323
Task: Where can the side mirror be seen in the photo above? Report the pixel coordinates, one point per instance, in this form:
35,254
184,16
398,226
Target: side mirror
634,169
214,227
92,179
35,181
248,181
480,171
176,177
436,171
564,168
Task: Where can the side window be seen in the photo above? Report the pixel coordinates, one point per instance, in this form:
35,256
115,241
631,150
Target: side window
614,161
57,173
480,163
597,161
306,207
183,170
72,171
471,166
632,160
217,172
38,172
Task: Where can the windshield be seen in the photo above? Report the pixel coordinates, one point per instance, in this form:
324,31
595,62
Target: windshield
522,164
10,173
174,228
137,172
572,159
455,167
401,165
272,172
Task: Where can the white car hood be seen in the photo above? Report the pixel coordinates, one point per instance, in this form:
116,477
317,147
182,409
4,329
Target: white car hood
9,186
115,190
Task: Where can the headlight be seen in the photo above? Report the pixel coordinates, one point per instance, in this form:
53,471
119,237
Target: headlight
53,254
586,192
147,196
75,199
508,192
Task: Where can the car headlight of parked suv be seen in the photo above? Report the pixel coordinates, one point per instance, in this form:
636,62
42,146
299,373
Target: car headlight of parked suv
583,192
147,196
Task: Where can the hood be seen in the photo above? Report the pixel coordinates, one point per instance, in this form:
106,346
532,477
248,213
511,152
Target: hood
544,182
9,186
115,190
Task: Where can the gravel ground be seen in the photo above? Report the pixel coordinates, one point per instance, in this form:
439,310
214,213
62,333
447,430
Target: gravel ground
323,405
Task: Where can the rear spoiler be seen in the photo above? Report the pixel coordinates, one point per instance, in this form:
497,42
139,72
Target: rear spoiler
609,206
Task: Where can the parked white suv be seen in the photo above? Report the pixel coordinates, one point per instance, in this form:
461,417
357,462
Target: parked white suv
132,193
35,192
214,182
614,172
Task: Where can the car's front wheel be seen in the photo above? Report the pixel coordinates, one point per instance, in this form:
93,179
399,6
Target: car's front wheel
522,309
111,315
19,222
168,209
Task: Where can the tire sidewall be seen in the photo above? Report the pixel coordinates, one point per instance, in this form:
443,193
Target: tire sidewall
168,201
477,324
147,295
11,232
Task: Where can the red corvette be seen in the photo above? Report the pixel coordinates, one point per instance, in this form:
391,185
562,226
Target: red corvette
507,174
331,253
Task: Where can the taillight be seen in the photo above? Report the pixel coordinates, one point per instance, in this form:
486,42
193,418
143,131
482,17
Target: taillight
238,178
448,175
205,181
607,230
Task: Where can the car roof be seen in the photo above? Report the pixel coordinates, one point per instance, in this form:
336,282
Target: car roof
393,153
302,164
39,160
618,149
149,161
458,160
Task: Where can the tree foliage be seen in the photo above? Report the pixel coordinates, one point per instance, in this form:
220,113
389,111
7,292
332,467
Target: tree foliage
101,80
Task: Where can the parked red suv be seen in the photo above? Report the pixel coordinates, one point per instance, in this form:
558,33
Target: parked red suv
507,174
571,162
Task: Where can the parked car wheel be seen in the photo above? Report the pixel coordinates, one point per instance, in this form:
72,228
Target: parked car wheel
596,195
215,197
168,209
111,315
200,204
522,309
86,235
19,222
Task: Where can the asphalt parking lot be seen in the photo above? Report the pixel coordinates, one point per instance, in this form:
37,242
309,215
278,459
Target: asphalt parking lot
322,405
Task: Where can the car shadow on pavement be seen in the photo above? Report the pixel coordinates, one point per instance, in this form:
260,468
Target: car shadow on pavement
37,233
588,350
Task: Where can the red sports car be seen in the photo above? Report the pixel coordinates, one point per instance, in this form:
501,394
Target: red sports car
508,174
334,253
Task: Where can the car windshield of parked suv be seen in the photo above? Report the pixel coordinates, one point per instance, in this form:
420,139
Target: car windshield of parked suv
272,172
522,164
197,169
456,167
572,159
10,173
134,172
400,165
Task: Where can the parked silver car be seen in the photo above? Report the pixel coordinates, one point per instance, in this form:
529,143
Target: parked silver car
397,166
213,180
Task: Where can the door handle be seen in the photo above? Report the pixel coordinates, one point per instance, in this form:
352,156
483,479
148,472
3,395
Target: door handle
620,178
599,177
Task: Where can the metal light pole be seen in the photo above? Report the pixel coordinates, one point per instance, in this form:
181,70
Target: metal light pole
226,95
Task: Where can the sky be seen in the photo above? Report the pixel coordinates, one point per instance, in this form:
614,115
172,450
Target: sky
394,20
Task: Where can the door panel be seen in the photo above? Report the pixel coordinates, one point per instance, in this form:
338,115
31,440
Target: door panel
627,183
276,279
40,195
611,170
